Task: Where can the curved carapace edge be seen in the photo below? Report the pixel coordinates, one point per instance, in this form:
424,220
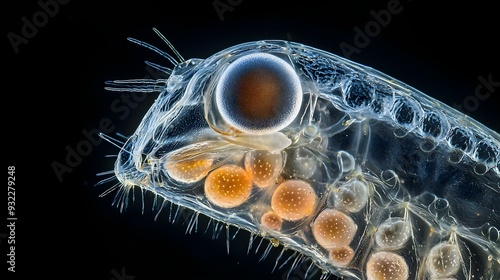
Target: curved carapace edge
367,176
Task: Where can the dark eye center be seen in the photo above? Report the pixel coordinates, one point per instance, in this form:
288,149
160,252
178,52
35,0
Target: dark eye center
259,93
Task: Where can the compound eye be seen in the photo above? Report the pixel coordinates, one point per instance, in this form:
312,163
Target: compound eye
259,94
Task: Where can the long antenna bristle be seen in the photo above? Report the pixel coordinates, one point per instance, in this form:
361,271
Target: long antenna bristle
169,45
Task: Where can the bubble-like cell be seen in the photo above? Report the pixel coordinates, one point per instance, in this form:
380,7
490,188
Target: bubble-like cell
310,130
406,112
351,196
333,229
435,124
228,186
294,200
357,93
486,153
456,156
303,163
341,256
346,161
271,220
386,266
490,232
444,260
383,98
439,207
188,171
263,167
259,93
393,233
428,144
462,139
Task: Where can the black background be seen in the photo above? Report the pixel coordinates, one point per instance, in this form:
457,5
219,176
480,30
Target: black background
53,90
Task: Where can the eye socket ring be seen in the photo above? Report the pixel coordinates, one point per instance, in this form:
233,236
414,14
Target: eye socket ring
259,93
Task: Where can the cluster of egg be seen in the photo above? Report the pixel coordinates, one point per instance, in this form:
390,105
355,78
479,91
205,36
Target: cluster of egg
294,200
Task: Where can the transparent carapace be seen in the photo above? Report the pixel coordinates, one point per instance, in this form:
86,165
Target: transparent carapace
355,170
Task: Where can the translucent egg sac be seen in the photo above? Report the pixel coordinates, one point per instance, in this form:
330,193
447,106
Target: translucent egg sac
294,200
228,186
